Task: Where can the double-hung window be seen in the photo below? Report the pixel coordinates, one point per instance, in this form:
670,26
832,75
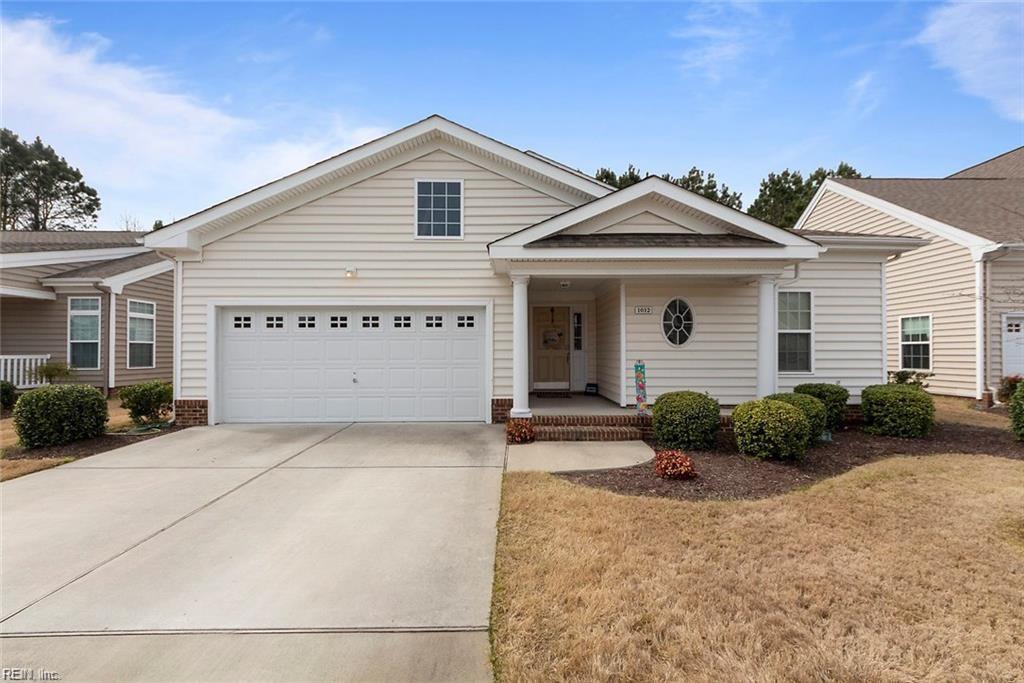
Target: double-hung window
84,332
439,208
141,334
916,342
795,332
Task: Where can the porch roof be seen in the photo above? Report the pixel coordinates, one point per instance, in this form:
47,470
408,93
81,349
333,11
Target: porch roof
656,239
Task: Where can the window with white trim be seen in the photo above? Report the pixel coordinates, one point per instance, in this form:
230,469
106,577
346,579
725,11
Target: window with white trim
916,342
439,208
677,322
434,322
795,333
577,331
141,334
84,333
306,322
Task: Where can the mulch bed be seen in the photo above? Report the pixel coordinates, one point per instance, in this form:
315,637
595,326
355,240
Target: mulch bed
84,448
726,474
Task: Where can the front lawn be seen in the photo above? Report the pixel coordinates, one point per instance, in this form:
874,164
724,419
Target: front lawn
905,569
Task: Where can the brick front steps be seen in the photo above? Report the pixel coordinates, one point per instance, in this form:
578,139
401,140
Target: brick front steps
587,433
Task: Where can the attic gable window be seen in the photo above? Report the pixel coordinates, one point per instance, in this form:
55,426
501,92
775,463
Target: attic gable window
439,209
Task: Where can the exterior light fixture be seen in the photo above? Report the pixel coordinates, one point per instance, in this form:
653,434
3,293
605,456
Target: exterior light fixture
564,284
351,272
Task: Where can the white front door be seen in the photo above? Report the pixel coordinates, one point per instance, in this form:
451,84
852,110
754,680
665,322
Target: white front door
351,365
1013,345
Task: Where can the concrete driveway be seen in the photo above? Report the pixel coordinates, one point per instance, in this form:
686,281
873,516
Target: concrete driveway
258,552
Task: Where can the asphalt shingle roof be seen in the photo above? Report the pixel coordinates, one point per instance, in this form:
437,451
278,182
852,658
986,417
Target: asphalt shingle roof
651,239
113,267
989,208
1007,165
26,241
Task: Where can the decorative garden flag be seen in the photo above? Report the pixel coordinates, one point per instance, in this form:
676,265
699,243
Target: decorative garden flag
640,372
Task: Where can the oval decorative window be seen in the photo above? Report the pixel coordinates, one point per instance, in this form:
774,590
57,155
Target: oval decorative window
677,322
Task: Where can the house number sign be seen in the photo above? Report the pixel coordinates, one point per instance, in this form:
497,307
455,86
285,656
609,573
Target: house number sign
643,310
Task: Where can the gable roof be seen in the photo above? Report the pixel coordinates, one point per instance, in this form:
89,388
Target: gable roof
651,239
1006,165
732,220
992,209
29,241
349,166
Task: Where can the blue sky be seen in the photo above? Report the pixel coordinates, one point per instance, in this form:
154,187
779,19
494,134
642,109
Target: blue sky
168,108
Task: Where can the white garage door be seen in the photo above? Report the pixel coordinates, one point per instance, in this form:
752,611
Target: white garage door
354,364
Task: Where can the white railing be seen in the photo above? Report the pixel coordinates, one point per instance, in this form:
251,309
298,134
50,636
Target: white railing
21,370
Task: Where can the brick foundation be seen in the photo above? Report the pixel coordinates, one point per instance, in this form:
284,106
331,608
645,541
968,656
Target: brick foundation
190,412
499,409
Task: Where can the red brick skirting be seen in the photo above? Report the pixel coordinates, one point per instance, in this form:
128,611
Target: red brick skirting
190,412
500,408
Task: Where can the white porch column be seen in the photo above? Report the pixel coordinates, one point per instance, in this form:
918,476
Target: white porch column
520,347
767,337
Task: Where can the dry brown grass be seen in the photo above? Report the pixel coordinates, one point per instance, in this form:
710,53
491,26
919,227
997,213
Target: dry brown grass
9,469
905,569
962,411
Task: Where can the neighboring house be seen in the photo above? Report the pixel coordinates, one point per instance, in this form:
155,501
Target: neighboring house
97,300
438,274
956,306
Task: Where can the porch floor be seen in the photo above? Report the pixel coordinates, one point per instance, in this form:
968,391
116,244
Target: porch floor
579,404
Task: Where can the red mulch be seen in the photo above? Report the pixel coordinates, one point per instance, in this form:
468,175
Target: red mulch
726,474
84,448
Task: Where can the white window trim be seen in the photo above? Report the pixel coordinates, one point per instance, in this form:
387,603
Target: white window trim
931,337
779,331
99,330
128,334
415,208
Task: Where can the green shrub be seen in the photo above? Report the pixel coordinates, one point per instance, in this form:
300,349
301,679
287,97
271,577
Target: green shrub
53,371
8,394
1007,386
833,396
1017,412
148,401
910,377
812,408
771,430
686,419
58,414
897,410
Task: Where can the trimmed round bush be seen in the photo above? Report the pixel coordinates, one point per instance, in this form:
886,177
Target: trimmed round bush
1017,412
686,419
147,402
59,413
770,430
673,464
833,396
897,410
8,394
812,408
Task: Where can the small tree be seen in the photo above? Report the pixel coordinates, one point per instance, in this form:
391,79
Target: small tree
696,180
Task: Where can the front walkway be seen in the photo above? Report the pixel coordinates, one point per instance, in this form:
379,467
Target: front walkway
250,552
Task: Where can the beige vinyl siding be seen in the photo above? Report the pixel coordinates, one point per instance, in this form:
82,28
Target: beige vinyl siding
645,222
720,356
368,226
159,290
937,278
1006,295
607,306
846,312
34,326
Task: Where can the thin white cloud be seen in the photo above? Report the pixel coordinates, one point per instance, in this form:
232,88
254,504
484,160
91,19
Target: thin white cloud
981,44
150,148
719,36
864,94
